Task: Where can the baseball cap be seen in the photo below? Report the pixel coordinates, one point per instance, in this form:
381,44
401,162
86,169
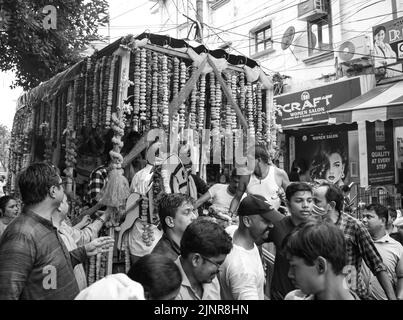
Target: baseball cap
254,204
398,222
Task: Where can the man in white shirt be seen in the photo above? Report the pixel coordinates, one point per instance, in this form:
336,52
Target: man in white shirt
242,275
375,219
204,247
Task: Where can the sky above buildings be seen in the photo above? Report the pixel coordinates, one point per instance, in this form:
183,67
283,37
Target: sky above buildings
126,16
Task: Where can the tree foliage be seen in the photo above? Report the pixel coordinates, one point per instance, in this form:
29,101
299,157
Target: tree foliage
36,54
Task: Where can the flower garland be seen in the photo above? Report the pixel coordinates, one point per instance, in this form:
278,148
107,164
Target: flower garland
149,79
213,94
182,107
108,113
100,107
201,104
228,107
94,111
259,107
233,90
154,97
165,91
85,105
249,109
242,93
143,84
136,93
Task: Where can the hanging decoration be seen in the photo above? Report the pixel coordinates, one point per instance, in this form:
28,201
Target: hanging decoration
136,93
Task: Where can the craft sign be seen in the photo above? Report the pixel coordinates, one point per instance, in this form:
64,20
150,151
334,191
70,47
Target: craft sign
313,105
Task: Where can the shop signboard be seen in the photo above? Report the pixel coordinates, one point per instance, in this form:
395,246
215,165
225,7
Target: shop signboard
312,106
380,153
324,155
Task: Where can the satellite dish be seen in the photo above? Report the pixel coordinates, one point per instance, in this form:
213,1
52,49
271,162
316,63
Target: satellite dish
288,37
346,51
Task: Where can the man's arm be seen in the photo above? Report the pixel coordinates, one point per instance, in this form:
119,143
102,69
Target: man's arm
17,255
285,181
373,260
243,183
78,256
205,197
243,286
386,284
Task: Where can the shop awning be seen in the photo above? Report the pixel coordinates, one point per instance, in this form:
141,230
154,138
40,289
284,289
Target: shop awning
381,103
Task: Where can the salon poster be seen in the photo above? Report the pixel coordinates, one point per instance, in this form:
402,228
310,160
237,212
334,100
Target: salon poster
324,156
381,169
311,106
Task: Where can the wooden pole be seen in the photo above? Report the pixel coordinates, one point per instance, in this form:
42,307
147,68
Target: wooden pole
186,90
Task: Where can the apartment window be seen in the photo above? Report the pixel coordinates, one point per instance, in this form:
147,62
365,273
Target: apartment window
320,31
261,39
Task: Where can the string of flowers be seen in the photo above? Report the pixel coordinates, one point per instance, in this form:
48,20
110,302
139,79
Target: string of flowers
136,93
182,107
259,135
228,108
85,105
233,90
110,92
154,97
242,92
94,114
165,92
213,95
249,108
100,107
143,84
201,104
192,109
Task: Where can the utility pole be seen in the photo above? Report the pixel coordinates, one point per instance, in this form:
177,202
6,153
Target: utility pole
199,18
394,9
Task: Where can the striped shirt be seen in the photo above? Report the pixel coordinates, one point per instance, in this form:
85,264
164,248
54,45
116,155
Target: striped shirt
360,246
98,178
34,262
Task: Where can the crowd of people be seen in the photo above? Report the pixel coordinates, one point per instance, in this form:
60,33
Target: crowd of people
321,252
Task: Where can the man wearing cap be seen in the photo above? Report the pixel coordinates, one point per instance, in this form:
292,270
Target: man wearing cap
299,202
242,275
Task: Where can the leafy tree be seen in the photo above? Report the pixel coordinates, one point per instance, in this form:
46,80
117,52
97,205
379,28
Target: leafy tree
5,136
35,53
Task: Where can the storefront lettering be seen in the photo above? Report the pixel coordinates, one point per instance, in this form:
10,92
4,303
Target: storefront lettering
311,106
394,35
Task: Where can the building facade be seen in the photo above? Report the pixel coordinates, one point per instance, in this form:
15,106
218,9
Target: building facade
336,67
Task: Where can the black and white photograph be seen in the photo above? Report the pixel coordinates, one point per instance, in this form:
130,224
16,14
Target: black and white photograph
201,150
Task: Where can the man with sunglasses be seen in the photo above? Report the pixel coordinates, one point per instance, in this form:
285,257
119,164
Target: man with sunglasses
242,275
34,262
204,247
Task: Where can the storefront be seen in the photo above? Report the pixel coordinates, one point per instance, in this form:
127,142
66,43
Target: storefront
321,148
379,118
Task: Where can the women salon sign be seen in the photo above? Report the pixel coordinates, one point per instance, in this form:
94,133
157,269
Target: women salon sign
310,106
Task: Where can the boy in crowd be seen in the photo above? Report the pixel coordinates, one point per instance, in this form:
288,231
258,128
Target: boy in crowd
316,252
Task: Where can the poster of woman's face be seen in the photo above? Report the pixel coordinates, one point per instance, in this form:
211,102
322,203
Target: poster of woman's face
326,154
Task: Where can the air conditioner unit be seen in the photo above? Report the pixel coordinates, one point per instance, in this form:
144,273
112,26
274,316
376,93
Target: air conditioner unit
354,50
312,9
